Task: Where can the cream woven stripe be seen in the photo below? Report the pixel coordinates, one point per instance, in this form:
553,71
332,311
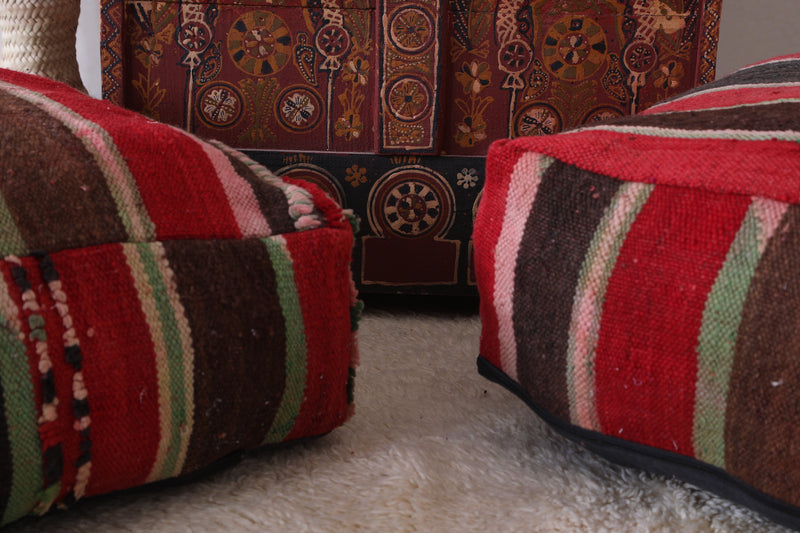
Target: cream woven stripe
587,308
38,37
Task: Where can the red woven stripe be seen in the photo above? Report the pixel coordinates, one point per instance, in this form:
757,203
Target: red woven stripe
323,286
194,204
770,169
646,363
728,97
119,367
500,163
48,87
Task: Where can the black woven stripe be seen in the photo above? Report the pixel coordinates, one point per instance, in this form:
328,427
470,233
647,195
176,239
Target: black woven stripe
20,278
781,116
74,356
53,465
48,387
782,72
273,203
787,71
80,408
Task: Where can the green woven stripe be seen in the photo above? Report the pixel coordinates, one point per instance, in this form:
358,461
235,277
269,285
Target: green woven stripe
11,241
21,417
590,293
292,398
172,450
717,341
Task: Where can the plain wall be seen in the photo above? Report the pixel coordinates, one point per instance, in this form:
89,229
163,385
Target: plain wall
750,31
754,30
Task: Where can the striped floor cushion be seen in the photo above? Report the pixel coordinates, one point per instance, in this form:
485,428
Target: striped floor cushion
164,302
640,285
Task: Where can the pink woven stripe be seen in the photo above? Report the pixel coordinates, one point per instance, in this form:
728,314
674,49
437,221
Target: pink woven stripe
499,166
587,308
525,180
241,197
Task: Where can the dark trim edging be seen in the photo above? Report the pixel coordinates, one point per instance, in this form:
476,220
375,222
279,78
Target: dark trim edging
655,460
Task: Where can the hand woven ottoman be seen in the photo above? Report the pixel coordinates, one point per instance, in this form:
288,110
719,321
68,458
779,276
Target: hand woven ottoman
640,290
164,302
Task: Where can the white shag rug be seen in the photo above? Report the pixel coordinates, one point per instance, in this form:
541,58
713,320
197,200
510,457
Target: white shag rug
433,447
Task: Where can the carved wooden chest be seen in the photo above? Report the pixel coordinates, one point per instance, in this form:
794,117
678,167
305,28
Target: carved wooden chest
390,106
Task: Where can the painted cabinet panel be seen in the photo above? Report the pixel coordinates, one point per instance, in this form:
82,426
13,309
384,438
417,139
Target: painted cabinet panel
391,105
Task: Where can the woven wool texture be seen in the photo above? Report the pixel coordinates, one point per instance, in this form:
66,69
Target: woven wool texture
638,277
164,301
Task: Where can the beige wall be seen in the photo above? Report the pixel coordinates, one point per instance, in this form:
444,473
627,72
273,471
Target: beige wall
751,30
88,46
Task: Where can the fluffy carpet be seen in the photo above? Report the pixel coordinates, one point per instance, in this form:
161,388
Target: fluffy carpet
433,447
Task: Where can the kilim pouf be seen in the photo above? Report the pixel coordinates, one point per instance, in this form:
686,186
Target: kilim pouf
640,289
164,302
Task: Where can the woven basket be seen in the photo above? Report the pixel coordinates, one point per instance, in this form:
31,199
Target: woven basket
38,37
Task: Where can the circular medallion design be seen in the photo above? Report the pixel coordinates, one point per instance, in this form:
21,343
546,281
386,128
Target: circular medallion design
411,29
333,40
574,48
475,207
411,202
537,119
601,114
219,105
195,36
640,57
259,43
299,108
515,56
408,99
317,176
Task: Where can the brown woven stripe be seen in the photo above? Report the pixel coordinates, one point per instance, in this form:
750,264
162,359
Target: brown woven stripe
271,200
776,72
771,117
565,214
229,292
53,188
761,430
